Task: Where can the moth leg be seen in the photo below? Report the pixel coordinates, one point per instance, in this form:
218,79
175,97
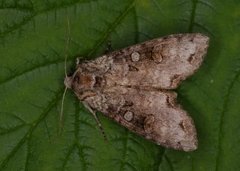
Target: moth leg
79,60
96,119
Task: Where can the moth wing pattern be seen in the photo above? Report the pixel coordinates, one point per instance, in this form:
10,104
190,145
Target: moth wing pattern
160,63
149,113
133,87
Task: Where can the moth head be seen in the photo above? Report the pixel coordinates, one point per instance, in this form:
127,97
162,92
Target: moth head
68,82
81,81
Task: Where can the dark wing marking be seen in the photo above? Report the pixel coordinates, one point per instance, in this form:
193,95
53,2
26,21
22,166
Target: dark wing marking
161,63
152,114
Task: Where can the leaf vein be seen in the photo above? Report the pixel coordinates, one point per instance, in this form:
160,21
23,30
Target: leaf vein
159,159
111,28
31,129
193,13
97,45
125,148
67,156
34,14
222,116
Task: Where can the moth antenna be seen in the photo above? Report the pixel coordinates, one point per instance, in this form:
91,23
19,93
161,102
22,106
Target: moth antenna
66,47
97,120
65,69
61,111
100,126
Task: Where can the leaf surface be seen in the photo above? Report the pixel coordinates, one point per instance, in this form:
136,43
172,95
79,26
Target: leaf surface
33,36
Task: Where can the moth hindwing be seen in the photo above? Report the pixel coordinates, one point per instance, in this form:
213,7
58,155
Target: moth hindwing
134,86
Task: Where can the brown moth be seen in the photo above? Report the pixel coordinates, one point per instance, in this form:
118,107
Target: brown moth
134,86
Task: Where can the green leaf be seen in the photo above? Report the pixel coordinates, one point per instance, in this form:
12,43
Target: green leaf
33,36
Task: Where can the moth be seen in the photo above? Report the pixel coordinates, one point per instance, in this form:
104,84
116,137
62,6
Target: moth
134,87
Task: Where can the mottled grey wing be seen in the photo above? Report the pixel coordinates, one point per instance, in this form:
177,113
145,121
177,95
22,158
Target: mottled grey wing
161,63
131,86
150,113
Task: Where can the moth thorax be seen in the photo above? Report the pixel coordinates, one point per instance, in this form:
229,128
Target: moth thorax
85,80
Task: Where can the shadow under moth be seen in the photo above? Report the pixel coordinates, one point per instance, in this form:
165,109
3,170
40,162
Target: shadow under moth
134,86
